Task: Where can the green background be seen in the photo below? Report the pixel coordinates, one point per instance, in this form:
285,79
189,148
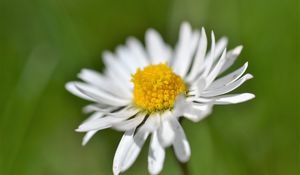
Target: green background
45,43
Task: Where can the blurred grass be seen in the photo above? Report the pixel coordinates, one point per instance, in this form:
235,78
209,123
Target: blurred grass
44,43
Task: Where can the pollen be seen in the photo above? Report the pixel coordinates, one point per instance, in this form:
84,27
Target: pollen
156,87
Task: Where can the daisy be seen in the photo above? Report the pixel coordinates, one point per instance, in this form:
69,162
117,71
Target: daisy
144,91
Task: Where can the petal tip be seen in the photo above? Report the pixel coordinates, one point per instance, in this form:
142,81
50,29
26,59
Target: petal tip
251,96
78,129
248,76
69,86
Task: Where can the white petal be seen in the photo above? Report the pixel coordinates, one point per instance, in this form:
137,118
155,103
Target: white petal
215,50
125,143
122,112
185,49
179,106
131,123
158,51
116,72
152,123
209,60
166,134
111,110
98,80
187,108
181,145
134,149
125,89
94,116
100,96
181,50
233,98
74,90
197,112
220,46
215,71
88,136
127,59
106,121
156,155
187,61
115,68
97,124
137,49
214,54
228,88
96,108
129,149
197,65
227,79
198,87
231,57
91,77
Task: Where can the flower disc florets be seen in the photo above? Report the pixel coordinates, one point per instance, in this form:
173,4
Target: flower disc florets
156,87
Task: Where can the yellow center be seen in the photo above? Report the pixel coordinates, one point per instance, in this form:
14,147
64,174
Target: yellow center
156,87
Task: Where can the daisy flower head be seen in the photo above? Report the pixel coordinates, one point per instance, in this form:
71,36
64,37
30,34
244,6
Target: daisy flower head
145,90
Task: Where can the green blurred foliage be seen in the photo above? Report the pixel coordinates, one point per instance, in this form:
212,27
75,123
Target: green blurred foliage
45,43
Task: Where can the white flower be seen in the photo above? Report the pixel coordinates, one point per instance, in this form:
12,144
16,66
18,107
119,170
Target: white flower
145,90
